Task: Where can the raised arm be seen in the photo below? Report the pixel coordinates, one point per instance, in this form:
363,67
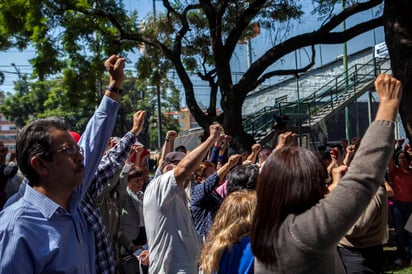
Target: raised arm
221,158
224,170
115,158
251,158
326,223
189,163
350,152
389,90
100,126
167,145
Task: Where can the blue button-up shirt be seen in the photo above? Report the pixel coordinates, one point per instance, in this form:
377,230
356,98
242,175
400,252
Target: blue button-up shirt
39,236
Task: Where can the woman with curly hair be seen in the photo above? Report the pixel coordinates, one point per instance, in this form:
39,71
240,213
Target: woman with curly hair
227,248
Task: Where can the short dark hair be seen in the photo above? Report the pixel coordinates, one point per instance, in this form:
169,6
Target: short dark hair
339,146
181,148
242,177
135,172
35,139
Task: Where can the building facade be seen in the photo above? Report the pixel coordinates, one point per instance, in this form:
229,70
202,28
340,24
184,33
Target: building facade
8,132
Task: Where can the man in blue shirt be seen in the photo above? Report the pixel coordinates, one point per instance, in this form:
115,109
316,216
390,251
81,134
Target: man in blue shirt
45,231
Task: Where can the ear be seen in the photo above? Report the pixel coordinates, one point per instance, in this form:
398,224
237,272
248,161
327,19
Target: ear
168,167
199,178
39,165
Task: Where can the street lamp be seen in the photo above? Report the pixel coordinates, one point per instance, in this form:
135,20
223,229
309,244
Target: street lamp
17,70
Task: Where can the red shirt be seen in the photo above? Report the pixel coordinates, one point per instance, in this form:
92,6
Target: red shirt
402,185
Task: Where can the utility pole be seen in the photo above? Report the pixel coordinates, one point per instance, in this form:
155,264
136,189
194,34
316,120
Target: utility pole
345,71
159,106
22,88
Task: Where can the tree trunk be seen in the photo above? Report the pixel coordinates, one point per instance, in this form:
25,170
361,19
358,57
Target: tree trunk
232,122
398,36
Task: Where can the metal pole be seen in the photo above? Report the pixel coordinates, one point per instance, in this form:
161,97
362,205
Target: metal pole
154,9
249,53
297,80
297,90
320,55
345,69
159,106
159,119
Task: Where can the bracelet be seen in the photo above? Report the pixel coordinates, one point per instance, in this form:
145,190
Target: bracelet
114,89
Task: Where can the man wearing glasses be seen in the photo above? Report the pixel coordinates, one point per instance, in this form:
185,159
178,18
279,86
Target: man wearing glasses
44,230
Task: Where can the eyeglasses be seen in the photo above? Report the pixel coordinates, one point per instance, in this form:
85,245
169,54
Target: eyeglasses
71,150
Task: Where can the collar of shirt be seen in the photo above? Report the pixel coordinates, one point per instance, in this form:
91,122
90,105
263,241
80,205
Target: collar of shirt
45,205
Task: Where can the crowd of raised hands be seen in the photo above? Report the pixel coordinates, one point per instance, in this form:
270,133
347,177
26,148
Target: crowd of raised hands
212,209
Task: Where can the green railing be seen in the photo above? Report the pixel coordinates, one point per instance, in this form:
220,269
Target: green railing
328,95
344,85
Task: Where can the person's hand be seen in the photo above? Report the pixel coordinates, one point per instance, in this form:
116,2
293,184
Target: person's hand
138,122
351,149
144,257
356,142
112,141
215,131
334,153
220,141
131,155
171,135
227,139
115,66
287,139
138,148
389,189
234,160
337,174
389,90
256,148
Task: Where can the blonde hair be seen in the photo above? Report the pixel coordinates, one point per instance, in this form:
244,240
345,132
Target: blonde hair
232,222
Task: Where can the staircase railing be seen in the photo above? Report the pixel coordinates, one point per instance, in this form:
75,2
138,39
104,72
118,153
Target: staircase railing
345,88
345,84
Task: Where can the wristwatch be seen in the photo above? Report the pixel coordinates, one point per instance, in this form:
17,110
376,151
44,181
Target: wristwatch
114,89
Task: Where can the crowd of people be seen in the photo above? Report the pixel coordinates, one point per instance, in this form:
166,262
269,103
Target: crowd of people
85,203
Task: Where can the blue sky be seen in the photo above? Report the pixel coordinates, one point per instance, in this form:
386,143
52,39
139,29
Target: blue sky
239,62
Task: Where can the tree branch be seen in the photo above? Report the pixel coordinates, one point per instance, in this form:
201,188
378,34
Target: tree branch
348,12
243,21
183,20
340,37
247,82
214,23
288,71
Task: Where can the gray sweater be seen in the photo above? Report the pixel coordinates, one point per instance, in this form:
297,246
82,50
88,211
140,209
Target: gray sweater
307,243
